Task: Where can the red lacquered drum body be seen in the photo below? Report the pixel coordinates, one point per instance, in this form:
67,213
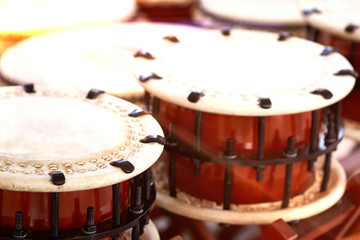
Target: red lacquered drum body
168,11
215,131
72,207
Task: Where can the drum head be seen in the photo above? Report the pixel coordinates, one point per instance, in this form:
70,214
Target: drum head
98,57
249,73
258,13
336,17
16,17
60,131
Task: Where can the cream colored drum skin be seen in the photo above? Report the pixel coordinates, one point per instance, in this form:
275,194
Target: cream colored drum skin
100,57
333,17
242,73
279,15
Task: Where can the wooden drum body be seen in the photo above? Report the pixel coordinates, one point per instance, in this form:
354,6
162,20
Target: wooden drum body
335,24
215,132
244,131
73,165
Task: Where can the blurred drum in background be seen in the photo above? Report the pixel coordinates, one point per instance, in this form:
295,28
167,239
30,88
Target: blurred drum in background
249,116
23,19
98,57
73,165
279,15
336,24
20,20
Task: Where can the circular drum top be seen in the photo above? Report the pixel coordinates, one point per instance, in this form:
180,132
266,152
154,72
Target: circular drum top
50,132
98,57
39,15
339,17
246,73
279,13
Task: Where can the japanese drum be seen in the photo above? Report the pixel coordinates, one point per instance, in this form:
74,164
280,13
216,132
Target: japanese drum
73,165
100,57
336,23
248,116
279,15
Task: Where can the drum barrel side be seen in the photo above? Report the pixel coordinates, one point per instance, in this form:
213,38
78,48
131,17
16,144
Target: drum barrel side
249,184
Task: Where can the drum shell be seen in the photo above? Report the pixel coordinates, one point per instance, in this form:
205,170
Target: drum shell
72,207
215,131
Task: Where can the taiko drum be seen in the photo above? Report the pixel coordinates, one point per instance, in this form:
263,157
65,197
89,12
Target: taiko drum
247,76
83,148
335,24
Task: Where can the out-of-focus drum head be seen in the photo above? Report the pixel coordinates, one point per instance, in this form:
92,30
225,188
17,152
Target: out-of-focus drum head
52,130
257,14
31,16
98,57
247,73
338,17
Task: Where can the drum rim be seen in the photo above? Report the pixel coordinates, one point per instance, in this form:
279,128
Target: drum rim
255,22
163,85
324,201
141,162
328,22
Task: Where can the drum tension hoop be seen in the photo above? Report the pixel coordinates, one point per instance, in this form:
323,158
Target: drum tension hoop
29,87
124,165
194,96
138,112
146,77
351,27
310,11
57,178
171,38
94,93
345,72
154,138
327,50
284,36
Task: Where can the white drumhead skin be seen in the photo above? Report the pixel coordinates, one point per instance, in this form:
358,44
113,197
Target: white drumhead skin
98,57
234,71
38,15
255,12
53,130
334,16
